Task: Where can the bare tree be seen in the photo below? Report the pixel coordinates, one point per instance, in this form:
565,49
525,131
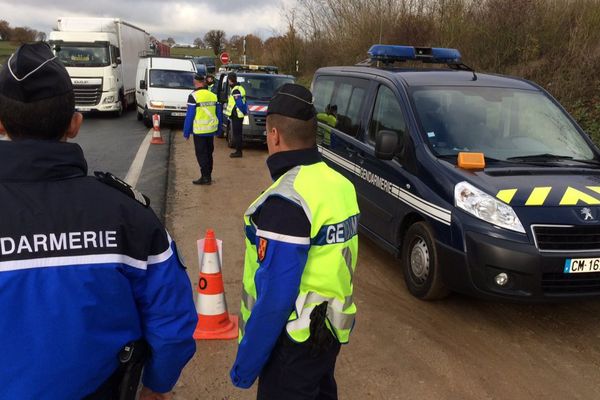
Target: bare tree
5,30
23,34
41,36
199,43
215,39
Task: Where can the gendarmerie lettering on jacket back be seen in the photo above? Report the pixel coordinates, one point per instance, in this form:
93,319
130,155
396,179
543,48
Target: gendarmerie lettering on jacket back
85,266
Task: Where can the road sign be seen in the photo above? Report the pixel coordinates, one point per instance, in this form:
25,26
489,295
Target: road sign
224,58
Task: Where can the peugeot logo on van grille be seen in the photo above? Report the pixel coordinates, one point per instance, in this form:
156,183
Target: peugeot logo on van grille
586,214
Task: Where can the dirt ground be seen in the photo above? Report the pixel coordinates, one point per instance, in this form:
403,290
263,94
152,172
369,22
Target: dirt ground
401,348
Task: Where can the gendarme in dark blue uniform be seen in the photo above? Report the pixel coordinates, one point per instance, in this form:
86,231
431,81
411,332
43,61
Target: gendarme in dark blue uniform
85,265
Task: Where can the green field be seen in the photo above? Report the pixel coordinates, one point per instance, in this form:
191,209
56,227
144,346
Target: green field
194,52
6,49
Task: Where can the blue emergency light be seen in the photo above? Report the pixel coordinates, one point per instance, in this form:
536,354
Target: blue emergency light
393,53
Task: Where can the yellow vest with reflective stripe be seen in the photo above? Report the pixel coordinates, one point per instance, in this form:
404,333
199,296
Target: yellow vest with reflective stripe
329,201
205,120
231,101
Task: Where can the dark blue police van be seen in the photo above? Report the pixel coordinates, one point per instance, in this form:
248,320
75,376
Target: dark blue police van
479,183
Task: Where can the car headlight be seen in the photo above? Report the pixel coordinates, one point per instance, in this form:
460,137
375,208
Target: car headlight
109,99
157,104
246,120
485,207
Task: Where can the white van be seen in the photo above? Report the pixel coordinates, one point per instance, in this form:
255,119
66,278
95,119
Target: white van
163,85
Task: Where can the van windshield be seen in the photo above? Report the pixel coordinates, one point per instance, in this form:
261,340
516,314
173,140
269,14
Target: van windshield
171,79
501,123
72,55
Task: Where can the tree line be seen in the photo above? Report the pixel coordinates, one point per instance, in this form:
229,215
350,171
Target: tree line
555,43
19,34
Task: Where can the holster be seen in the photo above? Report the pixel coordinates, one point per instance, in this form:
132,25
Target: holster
132,359
124,382
320,336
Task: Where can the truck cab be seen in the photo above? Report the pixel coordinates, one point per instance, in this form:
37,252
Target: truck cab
260,85
100,55
478,183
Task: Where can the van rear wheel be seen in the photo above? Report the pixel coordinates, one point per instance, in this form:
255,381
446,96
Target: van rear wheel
420,264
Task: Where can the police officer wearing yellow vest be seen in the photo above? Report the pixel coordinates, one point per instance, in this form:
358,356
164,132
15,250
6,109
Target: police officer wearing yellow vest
301,253
236,111
203,120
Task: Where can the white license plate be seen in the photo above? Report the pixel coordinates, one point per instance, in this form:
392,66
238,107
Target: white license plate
178,114
582,265
83,109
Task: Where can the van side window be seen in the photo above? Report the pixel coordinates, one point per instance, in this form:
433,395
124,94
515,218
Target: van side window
347,103
322,92
387,115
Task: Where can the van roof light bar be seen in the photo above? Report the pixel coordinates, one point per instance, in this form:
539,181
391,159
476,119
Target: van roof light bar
393,53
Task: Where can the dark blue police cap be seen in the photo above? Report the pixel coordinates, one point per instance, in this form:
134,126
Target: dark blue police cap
33,73
294,101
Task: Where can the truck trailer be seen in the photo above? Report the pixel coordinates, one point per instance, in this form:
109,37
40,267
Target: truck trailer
101,56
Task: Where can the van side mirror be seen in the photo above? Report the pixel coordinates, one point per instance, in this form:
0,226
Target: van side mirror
143,85
118,60
386,145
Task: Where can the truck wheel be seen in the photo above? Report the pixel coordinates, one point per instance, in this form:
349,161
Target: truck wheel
122,107
420,264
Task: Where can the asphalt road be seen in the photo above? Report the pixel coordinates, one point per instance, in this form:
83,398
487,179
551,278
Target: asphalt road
401,347
110,145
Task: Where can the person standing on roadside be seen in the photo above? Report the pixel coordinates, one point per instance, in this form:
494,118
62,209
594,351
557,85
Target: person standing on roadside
301,253
210,83
87,271
236,111
203,120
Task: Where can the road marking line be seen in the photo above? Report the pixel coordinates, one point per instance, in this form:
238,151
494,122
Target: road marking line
135,170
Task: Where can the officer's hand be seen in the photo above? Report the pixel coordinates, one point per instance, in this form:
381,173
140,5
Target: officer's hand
147,394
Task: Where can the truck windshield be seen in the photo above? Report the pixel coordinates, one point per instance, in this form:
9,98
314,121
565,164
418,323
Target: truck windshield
501,123
171,79
83,55
262,87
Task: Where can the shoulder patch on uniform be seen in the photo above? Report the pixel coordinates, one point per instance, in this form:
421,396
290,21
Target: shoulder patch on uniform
122,186
262,249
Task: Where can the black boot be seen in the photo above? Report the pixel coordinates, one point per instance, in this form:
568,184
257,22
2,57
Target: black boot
205,180
236,154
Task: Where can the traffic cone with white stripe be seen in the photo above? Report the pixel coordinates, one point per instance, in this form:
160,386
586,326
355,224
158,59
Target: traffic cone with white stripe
214,322
156,136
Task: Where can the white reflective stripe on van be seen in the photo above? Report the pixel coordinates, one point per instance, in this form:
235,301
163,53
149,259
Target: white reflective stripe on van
434,211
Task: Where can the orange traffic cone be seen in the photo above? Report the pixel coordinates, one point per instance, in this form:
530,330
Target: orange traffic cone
214,322
156,137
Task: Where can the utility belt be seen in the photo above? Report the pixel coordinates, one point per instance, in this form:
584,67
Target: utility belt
124,383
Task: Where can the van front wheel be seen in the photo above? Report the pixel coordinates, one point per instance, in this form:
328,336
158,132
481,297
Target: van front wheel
420,264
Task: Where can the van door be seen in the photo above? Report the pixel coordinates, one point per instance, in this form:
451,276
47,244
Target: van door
140,93
340,104
382,182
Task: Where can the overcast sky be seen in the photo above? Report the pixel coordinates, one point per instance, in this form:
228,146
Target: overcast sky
183,20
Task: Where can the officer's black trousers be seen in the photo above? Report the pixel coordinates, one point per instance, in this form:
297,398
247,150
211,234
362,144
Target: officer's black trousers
204,146
293,373
236,131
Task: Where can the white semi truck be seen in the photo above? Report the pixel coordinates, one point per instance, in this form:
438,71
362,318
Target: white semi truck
101,56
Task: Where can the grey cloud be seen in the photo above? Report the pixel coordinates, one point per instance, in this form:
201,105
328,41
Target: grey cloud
152,15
